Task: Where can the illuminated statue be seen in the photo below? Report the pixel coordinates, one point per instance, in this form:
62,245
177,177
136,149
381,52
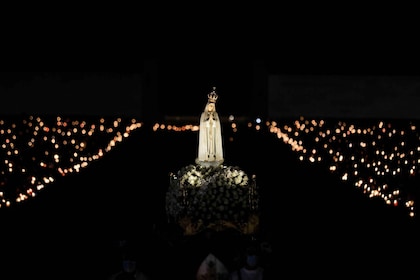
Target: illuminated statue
210,149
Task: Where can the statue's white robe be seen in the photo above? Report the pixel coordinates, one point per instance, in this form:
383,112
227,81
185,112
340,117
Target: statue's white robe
210,147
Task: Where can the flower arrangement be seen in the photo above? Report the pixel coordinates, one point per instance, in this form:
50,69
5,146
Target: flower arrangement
211,196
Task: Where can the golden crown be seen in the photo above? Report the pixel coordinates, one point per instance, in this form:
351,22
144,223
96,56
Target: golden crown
212,96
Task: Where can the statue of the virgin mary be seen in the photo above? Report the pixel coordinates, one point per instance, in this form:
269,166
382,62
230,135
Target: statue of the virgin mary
227,198
210,148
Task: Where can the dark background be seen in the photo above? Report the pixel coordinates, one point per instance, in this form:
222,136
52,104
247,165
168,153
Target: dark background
313,217
314,233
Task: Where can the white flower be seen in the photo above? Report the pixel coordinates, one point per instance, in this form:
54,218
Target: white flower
209,194
192,180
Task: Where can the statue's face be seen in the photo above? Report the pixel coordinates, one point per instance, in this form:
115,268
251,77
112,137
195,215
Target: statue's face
210,108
